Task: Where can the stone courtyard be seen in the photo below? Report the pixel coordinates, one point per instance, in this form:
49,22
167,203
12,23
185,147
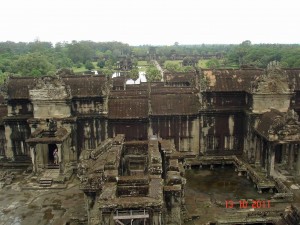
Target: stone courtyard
41,206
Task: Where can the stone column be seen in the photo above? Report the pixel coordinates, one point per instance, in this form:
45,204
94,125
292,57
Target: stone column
298,160
106,129
284,154
257,152
271,159
60,158
33,157
262,156
8,150
291,157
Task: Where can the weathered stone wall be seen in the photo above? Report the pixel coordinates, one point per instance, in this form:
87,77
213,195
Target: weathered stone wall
2,141
23,107
222,133
182,130
16,133
264,102
87,106
133,129
90,132
51,109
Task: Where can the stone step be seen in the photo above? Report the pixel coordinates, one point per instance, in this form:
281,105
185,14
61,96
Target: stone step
45,182
52,166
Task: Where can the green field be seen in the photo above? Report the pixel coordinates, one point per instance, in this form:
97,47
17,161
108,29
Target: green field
202,63
173,62
142,66
82,68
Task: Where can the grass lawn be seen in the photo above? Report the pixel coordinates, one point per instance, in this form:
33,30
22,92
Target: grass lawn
202,63
79,70
82,68
142,65
173,62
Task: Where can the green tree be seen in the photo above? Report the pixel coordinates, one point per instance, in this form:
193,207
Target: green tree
106,72
173,67
101,63
80,52
134,74
32,64
153,74
89,65
213,63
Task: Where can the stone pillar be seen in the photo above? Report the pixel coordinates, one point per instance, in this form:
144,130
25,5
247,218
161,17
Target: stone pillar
291,157
284,154
106,129
298,161
60,158
150,129
8,150
257,152
262,156
33,158
271,159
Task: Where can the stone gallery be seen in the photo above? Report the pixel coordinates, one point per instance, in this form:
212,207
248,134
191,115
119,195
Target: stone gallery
131,145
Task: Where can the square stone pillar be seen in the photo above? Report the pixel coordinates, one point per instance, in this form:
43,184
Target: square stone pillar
298,160
284,151
271,159
291,157
33,158
59,149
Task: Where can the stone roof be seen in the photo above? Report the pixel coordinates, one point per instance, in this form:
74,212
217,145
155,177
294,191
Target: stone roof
128,108
179,77
81,86
131,104
278,126
86,86
41,136
294,76
226,80
3,113
266,121
174,101
18,87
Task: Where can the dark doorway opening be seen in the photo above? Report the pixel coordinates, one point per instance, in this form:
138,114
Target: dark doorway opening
51,148
278,153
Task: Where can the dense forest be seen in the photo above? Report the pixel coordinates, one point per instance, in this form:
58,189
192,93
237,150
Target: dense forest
43,58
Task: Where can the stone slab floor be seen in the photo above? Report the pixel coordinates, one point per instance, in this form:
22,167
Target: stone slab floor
43,207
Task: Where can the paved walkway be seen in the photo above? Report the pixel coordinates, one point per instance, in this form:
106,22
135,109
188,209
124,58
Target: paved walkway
160,69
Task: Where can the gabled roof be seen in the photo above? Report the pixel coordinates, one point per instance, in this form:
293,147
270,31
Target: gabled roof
278,126
174,101
129,104
18,87
227,80
85,85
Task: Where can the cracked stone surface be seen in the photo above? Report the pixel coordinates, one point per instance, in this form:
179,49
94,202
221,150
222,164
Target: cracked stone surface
43,207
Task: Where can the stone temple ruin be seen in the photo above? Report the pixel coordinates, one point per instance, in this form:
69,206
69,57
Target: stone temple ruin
130,145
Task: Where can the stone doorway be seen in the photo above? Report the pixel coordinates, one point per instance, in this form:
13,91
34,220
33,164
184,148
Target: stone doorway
51,148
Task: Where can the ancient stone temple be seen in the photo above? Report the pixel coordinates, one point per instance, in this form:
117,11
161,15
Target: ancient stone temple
131,144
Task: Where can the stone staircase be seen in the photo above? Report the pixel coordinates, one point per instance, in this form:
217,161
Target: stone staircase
52,166
45,182
49,177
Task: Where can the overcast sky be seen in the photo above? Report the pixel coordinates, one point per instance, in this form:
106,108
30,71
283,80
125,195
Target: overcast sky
155,22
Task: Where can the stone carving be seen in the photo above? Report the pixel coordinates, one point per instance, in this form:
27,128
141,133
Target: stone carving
274,81
52,125
287,126
48,87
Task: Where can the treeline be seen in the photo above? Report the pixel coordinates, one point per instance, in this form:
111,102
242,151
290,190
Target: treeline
43,58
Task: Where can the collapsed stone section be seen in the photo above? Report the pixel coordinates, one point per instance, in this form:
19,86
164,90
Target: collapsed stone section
135,187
